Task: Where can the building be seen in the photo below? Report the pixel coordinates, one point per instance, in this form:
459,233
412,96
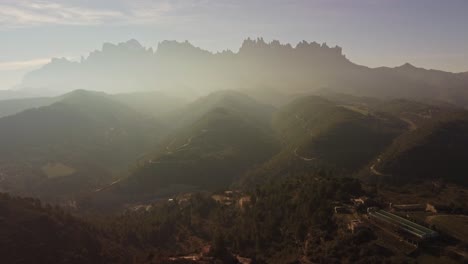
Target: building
244,201
355,225
360,201
407,230
343,210
222,199
408,207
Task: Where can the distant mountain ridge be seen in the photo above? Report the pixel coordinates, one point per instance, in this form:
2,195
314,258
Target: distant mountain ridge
179,68
150,103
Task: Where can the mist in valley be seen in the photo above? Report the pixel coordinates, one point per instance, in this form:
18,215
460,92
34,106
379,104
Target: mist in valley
273,148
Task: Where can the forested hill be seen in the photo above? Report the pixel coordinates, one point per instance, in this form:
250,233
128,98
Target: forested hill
436,150
35,233
216,140
72,145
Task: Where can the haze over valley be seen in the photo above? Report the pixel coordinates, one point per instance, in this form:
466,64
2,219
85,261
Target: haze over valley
272,152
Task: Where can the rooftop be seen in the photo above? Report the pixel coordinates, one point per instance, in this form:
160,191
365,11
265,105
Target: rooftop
406,225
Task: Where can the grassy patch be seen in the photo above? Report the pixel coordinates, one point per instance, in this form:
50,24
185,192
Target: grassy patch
56,169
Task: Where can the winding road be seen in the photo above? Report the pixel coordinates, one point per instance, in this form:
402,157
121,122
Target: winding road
302,157
374,171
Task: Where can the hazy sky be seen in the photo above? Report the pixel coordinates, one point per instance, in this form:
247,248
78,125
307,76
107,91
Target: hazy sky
427,33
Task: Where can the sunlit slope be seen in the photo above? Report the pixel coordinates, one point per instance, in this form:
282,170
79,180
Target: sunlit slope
435,150
236,102
317,129
210,152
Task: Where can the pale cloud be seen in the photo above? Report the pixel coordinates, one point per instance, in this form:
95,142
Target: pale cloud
149,13
23,65
30,13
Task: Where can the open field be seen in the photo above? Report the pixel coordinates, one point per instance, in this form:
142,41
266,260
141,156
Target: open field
424,193
454,225
359,109
55,170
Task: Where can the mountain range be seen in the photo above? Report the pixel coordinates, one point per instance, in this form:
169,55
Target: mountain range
271,72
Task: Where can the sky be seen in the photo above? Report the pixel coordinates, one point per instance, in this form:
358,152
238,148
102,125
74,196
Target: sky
427,33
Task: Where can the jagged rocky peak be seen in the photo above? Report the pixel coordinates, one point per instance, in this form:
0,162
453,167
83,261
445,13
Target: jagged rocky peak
250,45
307,45
314,46
173,47
59,63
131,45
254,43
110,51
260,44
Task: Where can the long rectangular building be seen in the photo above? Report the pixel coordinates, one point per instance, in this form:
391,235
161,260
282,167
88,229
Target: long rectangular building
402,224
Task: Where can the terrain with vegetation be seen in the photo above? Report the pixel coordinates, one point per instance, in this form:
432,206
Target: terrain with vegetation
72,145
271,154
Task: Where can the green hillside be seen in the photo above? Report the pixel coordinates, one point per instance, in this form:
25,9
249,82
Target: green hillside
317,129
34,233
148,103
209,153
92,135
234,101
436,150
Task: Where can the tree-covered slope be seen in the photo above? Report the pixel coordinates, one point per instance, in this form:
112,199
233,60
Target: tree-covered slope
435,150
78,141
34,233
317,129
210,152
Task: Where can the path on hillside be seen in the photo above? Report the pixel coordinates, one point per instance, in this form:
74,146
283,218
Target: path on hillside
186,144
374,171
108,186
302,157
151,161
